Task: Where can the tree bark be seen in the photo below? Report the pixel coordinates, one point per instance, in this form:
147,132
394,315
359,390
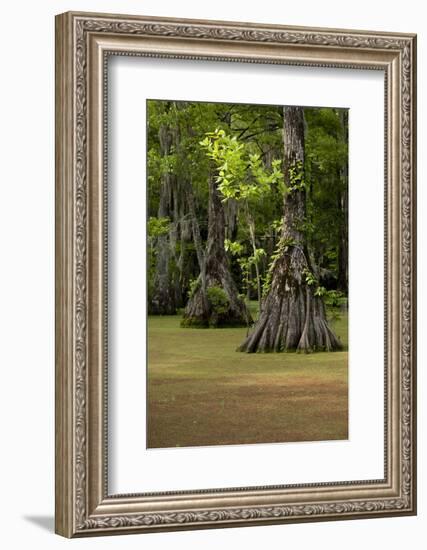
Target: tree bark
251,224
163,299
293,317
342,283
200,311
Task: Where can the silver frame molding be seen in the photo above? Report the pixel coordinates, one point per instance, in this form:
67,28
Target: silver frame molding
83,43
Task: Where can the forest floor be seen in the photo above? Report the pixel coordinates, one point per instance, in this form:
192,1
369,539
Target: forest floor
201,391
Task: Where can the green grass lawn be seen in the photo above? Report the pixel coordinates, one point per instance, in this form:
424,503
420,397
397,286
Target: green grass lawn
202,392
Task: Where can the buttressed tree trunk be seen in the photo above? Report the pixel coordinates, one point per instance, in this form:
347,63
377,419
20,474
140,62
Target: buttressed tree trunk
292,317
215,300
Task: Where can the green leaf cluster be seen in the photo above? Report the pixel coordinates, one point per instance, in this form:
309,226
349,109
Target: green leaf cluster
241,174
156,227
218,300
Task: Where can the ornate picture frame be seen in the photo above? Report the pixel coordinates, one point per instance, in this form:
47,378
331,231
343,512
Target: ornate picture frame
83,43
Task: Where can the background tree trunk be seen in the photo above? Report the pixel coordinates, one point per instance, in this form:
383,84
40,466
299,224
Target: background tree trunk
163,299
292,317
201,310
174,268
342,282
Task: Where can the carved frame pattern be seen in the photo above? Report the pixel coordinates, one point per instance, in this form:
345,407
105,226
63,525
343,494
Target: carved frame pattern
77,510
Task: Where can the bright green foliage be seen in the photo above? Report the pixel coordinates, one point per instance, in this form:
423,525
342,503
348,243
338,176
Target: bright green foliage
242,146
310,279
241,175
246,263
218,299
296,177
257,255
320,291
158,226
235,248
335,298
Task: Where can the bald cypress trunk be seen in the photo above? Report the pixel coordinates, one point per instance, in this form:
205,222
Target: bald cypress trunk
293,317
215,300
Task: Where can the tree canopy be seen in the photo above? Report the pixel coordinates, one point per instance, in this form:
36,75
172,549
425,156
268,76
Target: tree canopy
218,185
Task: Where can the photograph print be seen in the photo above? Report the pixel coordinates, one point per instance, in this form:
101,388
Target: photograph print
247,274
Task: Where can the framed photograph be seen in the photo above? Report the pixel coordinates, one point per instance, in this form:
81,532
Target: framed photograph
235,274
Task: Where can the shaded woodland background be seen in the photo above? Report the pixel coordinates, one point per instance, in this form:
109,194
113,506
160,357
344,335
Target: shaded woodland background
249,204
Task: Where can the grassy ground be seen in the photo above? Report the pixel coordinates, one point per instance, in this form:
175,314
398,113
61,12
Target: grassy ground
202,392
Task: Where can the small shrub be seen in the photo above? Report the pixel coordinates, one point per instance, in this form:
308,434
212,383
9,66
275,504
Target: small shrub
218,300
334,298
